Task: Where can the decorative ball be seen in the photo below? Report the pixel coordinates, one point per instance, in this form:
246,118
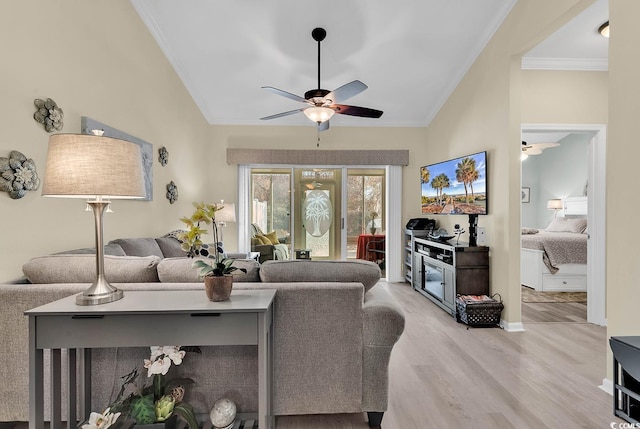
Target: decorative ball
223,413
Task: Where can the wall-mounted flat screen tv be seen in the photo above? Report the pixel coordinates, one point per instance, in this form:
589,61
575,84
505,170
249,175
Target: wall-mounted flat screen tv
457,186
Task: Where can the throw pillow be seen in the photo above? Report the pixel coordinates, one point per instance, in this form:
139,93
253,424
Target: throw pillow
263,239
272,237
206,251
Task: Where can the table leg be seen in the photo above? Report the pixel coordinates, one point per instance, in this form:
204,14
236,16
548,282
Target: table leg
55,363
265,371
72,388
36,384
85,383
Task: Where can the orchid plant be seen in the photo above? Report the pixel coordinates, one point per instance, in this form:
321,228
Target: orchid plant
160,400
192,242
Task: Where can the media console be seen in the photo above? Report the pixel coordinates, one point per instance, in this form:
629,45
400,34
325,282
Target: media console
442,270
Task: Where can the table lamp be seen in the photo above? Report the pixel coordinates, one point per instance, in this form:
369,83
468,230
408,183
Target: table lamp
555,205
226,214
98,169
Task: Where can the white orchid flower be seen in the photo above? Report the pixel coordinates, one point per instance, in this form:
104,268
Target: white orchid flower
101,421
176,355
158,366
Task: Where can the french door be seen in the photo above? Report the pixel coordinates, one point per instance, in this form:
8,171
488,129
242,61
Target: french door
320,209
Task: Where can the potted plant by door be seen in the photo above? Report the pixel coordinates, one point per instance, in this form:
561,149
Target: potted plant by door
218,279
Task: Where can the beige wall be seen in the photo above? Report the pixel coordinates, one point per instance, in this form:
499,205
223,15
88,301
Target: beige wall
564,97
94,59
623,152
485,113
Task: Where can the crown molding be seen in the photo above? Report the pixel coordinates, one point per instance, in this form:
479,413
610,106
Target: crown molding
581,64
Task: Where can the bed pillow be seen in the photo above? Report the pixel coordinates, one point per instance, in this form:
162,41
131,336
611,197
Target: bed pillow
576,225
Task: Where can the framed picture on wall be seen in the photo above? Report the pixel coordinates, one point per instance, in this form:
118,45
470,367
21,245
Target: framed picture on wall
525,195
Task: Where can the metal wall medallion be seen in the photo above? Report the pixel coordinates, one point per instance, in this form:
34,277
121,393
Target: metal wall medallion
18,175
163,156
48,114
172,192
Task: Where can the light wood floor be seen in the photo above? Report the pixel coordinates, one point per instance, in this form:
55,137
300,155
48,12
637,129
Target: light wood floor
443,375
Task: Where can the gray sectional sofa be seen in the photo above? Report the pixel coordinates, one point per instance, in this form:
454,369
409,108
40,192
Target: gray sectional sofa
334,331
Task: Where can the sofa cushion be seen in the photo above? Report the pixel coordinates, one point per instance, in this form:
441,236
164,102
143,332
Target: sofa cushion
170,247
180,270
139,246
82,269
299,270
109,249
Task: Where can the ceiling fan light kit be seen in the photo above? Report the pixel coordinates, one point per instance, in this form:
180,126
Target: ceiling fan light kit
322,103
319,114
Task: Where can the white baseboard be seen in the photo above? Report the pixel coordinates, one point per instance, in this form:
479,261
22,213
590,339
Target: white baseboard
511,327
607,386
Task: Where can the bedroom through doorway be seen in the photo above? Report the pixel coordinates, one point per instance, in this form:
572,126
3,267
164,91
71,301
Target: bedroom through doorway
560,263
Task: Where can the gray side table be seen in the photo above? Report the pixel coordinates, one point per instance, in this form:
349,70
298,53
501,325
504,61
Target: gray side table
179,318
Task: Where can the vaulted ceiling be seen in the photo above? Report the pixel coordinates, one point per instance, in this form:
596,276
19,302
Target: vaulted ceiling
410,53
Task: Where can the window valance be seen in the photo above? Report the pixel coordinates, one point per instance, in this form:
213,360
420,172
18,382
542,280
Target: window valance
317,157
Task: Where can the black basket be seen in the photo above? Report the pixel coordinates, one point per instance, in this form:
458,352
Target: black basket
479,313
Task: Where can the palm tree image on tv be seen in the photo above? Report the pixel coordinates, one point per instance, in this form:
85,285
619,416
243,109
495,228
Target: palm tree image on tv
457,186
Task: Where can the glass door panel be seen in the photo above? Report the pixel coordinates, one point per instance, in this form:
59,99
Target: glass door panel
366,205
271,202
318,213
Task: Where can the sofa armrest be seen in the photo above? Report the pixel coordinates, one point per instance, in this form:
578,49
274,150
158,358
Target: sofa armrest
383,318
383,324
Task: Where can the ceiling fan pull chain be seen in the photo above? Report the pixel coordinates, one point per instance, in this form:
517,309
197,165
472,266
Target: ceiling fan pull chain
318,132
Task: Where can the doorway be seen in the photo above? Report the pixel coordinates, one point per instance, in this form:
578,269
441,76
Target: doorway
596,213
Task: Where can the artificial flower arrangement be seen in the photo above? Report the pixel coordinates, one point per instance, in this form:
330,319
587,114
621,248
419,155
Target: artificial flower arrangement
192,242
154,403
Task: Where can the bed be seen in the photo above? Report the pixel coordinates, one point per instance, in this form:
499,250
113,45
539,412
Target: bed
555,258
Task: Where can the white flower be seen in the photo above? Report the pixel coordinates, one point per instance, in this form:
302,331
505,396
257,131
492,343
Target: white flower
176,355
161,358
158,366
101,421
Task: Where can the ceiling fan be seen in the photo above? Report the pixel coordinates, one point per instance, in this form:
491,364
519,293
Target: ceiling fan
322,103
534,148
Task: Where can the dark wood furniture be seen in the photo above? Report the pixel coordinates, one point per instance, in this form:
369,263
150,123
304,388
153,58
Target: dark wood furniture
626,377
442,270
369,245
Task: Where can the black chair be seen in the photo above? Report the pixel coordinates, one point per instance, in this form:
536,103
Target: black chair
375,251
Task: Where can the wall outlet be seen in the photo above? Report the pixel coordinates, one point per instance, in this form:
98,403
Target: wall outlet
482,236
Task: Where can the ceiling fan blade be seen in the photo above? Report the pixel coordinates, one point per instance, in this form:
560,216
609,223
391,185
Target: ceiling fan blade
285,94
346,91
279,115
533,151
365,112
545,145
323,126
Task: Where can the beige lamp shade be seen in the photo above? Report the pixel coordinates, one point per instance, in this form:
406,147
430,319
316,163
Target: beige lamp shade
86,166
554,204
227,213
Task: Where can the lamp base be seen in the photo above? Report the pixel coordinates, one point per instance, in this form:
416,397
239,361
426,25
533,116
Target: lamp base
101,292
